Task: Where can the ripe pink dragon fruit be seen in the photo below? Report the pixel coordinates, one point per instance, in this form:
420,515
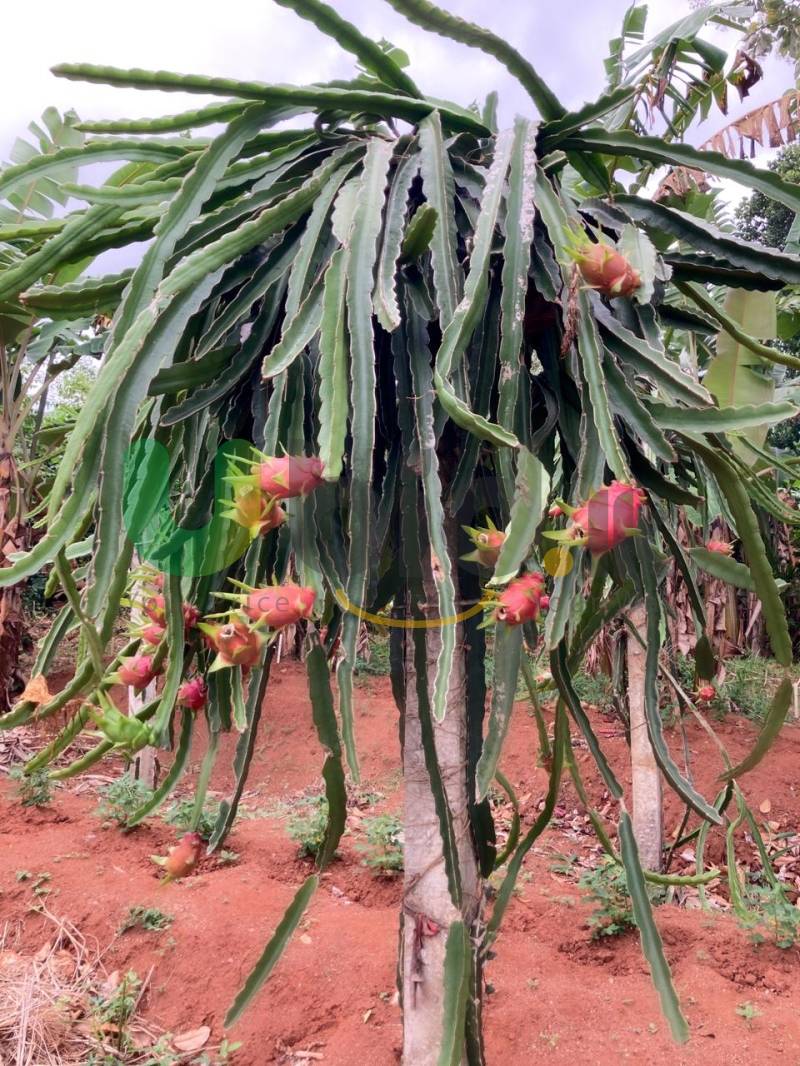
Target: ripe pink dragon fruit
706,693
521,601
137,671
607,270
721,547
236,643
182,859
155,609
280,605
544,602
193,694
488,541
555,511
283,477
152,633
608,517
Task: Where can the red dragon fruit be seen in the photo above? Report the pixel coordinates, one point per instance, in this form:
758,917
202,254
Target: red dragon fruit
155,608
521,601
286,476
608,517
280,605
137,671
607,270
488,541
706,693
152,633
236,643
556,511
182,859
193,694
721,547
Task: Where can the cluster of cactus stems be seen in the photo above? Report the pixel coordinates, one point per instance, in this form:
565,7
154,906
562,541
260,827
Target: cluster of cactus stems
362,368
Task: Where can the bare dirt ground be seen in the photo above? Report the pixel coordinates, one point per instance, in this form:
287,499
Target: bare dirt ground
556,995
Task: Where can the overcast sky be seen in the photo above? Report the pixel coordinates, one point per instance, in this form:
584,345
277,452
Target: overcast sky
255,39
566,40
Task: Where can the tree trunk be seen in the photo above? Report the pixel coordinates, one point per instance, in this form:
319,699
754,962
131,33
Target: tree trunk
10,636
146,761
13,538
428,910
645,774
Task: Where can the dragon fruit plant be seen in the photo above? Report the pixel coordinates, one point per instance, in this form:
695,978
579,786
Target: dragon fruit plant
343,341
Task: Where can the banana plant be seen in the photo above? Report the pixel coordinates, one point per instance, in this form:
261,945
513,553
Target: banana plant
347,340
33,353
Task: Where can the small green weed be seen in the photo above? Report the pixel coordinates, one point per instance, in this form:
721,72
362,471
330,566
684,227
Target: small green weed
112,1013
376,662
150,919
120,799
564,863
307,824
594,689
41,884
773,916
749,1011
607,888
362,796
684,667
750,682
33,790
383,849
123,797
181,814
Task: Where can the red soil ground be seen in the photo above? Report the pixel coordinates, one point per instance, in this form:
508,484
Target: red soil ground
557,995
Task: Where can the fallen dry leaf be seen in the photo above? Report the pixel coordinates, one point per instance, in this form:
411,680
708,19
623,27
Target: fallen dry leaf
140,1039
36,691
192,1039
